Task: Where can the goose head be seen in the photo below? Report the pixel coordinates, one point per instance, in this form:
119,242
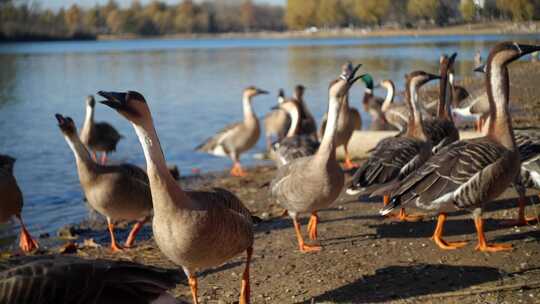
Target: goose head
130,104
66,125
253,91
387,84
90,101
506,52
299,91
417,79
339,88
281,96
7,163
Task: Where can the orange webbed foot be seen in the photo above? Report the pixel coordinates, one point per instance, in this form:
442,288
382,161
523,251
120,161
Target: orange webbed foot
26,242
305,248
404,217
448,245
493,247
115,248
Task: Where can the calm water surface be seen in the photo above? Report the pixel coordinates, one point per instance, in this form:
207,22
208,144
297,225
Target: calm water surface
193,87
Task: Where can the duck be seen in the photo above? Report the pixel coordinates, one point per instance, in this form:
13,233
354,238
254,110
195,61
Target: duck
276,122
311,183
118,192
294,145
469,174
67,279
349,121
373,104
236,138
98,136
396,157
196,230
12,202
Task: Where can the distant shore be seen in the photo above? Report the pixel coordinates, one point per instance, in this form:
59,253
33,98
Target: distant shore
492,28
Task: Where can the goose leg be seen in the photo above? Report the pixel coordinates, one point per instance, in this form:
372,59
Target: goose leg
245,293
133,234
312,226
26,242
237,170
303,246
521,220
114,246
437,235
482,243
348,163
192,280
104,158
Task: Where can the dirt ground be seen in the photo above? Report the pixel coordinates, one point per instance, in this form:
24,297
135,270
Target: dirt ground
365,258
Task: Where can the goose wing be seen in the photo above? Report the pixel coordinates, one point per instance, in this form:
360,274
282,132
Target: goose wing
211,144
440,132
397,116
460,173
135,173
528,143
393,158
223,198
291,148
107,134
75,280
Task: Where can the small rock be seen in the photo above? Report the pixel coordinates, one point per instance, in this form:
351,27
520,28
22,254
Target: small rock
523,266
265,215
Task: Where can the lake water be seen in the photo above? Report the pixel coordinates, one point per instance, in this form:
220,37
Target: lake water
193,87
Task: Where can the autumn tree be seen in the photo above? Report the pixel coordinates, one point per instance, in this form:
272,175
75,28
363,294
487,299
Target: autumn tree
468,10
372,11
330,13
73,18
299,14
423,9
520,10
247,15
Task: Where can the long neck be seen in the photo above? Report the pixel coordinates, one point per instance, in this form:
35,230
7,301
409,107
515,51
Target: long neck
389,98
415,127
327,148
88,118
295,120
163,187
498,89
445,97
82,156
248,110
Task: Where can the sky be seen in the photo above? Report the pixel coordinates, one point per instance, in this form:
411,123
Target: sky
56,4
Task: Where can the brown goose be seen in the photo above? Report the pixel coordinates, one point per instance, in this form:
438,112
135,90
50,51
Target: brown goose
98,136
238,137
12,202
194,229
468,174
119,192
396,157
276,122
308,184
397,115
349,120
64,279
307,126
294,145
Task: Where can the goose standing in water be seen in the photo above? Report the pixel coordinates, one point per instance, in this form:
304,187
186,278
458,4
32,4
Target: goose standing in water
119,192
98,136
349,120
468,174
194,229
276,122
61,279
238,137
12,202
396,157
309,184
294,145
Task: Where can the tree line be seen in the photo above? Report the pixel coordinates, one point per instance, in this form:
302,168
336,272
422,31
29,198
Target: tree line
20,20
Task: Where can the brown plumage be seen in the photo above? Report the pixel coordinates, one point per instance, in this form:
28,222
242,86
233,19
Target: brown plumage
468,174
61,279
12,201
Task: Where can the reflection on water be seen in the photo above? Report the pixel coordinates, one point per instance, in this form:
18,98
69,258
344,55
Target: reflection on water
193,87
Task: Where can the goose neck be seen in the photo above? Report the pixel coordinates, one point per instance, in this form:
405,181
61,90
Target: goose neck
327,148
415,126
389,98
500,125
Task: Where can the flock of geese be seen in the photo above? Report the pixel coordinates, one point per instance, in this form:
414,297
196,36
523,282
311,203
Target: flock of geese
426,166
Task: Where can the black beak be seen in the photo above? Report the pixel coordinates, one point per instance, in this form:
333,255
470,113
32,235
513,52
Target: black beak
527,48
114,100
480,69
452,59
433,77
60,118
262,92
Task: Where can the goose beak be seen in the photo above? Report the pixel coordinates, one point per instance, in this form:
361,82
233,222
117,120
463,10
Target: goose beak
433,77
527,49
114,100
480,69
60,118
262,92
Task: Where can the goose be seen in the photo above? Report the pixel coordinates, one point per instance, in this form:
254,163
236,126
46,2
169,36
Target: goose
396,157
311,183
118,192
276,122
194,229
293,146
237,138
308,126
62,279
12,202
468,174
98,136
397,115
349,120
